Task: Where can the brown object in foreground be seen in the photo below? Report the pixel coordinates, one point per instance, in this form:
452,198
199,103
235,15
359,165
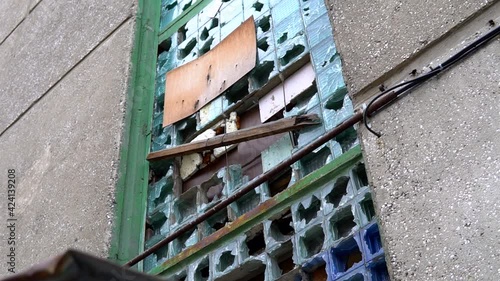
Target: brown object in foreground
193,85
77,266
264,130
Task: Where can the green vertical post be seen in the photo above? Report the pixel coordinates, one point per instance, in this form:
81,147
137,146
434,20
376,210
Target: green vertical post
131,190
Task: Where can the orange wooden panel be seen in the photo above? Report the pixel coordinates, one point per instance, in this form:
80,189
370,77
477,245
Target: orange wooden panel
193,85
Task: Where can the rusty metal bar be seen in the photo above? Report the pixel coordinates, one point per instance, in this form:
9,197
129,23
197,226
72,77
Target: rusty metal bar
386,99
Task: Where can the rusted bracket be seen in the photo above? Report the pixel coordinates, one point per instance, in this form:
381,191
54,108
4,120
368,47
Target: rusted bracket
264,130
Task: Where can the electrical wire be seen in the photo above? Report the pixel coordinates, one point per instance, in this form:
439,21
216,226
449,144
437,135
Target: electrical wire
440,68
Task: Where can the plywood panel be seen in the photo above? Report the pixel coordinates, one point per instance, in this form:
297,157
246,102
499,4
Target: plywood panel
193,85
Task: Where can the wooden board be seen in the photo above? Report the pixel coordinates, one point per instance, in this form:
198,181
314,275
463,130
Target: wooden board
193,85
267,129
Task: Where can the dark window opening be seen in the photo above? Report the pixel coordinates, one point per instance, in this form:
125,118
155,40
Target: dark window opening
282,228
319,273
281,183
226,260
339,190
202,272
310,213
255,242
343,223
360,173
368,208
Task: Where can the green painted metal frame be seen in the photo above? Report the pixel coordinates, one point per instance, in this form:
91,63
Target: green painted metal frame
267,209
182,19
131,190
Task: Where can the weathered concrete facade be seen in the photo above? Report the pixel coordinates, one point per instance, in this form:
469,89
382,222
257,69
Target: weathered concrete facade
63,83
435,170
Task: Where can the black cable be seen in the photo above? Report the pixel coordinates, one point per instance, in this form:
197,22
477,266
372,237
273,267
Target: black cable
419,80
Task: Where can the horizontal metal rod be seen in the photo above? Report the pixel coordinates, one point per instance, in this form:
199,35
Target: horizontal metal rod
285,164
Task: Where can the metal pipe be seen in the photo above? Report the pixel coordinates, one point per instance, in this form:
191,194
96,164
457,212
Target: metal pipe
386,99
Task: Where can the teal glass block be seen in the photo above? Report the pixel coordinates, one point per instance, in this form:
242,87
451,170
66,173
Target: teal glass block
266,69
255,8
288,29
265,45
311,133
330,81
284,10
228,26
169,11
291,51
264,23
323,54
160,93
312,10
319,30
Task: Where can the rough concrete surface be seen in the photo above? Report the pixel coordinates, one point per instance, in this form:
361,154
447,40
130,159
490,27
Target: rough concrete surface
47,44
374,36
13,12
65,150
436,173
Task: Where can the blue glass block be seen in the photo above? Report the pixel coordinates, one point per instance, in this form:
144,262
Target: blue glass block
284,9
378,271
323,54
358,274
319,30
346,257
312,10
288,29
372,242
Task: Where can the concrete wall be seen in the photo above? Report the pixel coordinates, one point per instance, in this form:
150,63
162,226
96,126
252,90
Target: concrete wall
63,83
435,170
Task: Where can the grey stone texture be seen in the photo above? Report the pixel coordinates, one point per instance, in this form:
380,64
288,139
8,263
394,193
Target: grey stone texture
374,36
17,11
436,174
47,44
63,85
